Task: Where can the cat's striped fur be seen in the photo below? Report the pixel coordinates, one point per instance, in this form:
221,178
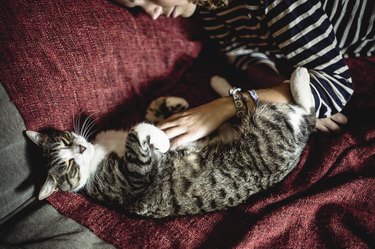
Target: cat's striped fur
147,179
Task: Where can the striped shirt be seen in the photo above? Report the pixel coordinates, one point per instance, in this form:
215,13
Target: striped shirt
316,34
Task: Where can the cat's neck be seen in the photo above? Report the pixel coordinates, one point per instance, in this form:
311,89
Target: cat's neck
104,173
98,155
105,143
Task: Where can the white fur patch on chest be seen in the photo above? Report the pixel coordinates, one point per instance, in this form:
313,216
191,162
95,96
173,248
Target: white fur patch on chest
112,141
295,118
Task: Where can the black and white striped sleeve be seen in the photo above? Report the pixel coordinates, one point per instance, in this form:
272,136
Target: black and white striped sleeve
235,48
305,35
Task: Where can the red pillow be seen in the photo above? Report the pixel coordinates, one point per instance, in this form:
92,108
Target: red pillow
61,57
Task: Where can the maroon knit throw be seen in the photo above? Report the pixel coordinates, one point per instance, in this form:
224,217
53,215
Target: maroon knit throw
61,57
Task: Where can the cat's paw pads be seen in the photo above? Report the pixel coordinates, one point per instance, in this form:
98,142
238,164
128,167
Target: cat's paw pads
300,74
150,134
220,85
163,107
176,104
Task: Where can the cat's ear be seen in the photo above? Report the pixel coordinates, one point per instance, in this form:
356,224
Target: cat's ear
38,138
49,187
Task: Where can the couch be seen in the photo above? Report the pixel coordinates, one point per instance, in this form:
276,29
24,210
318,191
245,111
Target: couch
62,58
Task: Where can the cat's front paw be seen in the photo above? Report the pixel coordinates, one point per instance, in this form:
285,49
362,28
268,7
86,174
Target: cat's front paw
163,107
150,134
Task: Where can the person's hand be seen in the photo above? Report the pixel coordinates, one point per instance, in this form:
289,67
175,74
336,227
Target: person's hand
198,122
331,124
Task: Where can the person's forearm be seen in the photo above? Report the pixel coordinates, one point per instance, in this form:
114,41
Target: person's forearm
277,94
229,110
270,84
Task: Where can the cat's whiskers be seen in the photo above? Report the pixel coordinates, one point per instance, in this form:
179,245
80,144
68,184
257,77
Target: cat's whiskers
73,122
77,128
86,129
92,132
83,127
88,125
76,125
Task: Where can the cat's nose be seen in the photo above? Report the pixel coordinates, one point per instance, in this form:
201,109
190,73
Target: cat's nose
82,149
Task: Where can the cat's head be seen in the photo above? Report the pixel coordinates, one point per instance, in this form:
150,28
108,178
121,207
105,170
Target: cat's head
68,156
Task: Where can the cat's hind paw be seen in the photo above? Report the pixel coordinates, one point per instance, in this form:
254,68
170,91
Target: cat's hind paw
150,134
163,107
300,75
300,88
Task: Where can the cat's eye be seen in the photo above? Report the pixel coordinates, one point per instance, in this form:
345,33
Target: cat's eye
81,148
66,143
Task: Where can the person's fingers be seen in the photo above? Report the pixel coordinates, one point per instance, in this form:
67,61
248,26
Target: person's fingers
172,121
327,125
319,126
332,126
184,139
168,123
339,118
174,131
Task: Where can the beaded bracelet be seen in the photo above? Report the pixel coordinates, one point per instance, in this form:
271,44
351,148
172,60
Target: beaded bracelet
239,102
254,96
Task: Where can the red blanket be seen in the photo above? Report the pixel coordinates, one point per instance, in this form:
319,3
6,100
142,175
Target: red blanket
326,202
60,57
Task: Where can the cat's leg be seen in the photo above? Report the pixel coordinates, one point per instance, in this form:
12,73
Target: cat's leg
300,88
143,146
163,107
220,85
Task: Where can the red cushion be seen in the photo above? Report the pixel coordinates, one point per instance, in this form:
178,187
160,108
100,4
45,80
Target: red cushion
58,58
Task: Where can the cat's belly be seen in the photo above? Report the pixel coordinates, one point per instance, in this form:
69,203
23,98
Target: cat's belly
112,140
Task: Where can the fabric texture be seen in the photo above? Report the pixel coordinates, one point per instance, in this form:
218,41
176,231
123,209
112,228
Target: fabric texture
41,226
63,57
66,57
16,178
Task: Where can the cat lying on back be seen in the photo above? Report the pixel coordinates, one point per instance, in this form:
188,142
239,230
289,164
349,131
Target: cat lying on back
138,172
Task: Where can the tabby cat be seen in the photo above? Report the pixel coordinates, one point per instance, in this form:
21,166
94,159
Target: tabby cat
138,172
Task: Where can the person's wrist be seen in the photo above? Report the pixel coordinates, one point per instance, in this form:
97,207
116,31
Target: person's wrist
251,103
229,109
